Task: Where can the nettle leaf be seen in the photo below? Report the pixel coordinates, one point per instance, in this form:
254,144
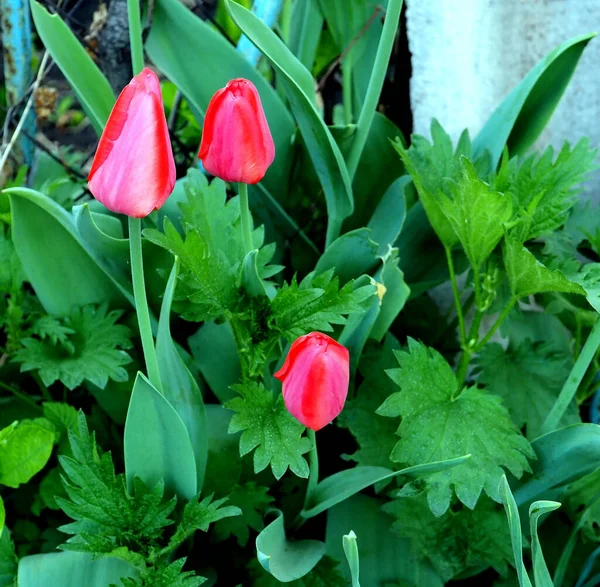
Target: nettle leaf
529,276
430,165
25,448
212,251
315,304
106,516
8,559
373,433
199,515
325,574
476,213
267,426
253,501
438,424
62,416
458,541
545,189
171,575
528,379
92,352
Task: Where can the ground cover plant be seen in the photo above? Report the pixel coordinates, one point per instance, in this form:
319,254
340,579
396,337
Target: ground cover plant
262,337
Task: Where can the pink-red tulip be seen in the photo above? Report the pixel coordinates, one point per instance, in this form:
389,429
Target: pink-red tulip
315,379
236,141
133,172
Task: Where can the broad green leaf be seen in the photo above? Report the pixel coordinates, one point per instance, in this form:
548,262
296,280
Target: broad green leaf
179,386
345,484
514,524
72,568
307,22
385,557
8,560
541,575
528,276
519,120
88,82
217,339
284,559
299,85
44,232
476,213
351,552
157,444
24,451
176,32
437,424
563,456
250,278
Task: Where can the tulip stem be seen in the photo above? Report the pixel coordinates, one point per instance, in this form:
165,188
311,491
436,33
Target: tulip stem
135,35
384,51
313,463
246,218
141,301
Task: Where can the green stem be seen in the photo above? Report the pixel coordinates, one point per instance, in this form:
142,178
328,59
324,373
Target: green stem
246,218
384,51
347,89
569,389
135,35
22,396
496,324
141,302
313,462
459,310
43,388
468,350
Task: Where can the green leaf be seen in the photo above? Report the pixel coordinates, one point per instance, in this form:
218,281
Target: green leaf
519,120
563,456
514,524
199,515
171,575
267,426
457,541
25,448
385,558
528,276
351,552
180,387
62,416
42,230
2,515
299,87
528,378
541,575
476,214
157,445
324,574
284,559
583,496
92,352
253,500
177,32
8,560
72,568
437,425
89,84
545,190
106,515
315,304
307,22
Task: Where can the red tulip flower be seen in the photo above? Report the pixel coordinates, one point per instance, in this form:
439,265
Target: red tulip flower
236,141
133,172
315,379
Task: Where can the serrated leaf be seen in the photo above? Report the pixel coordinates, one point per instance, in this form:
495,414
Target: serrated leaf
269,428
438,425
325,574
528,276
95,352
171,575
476,213
8,560
528,378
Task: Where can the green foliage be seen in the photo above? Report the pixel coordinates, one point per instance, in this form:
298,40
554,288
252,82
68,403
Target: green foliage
253,500
171,575
528,378
8,560
325,574
439,423
86,345
544,188
582,499
459,540
267,426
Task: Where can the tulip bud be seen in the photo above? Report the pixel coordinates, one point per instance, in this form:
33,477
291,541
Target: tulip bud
315,379
133,172
236,141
